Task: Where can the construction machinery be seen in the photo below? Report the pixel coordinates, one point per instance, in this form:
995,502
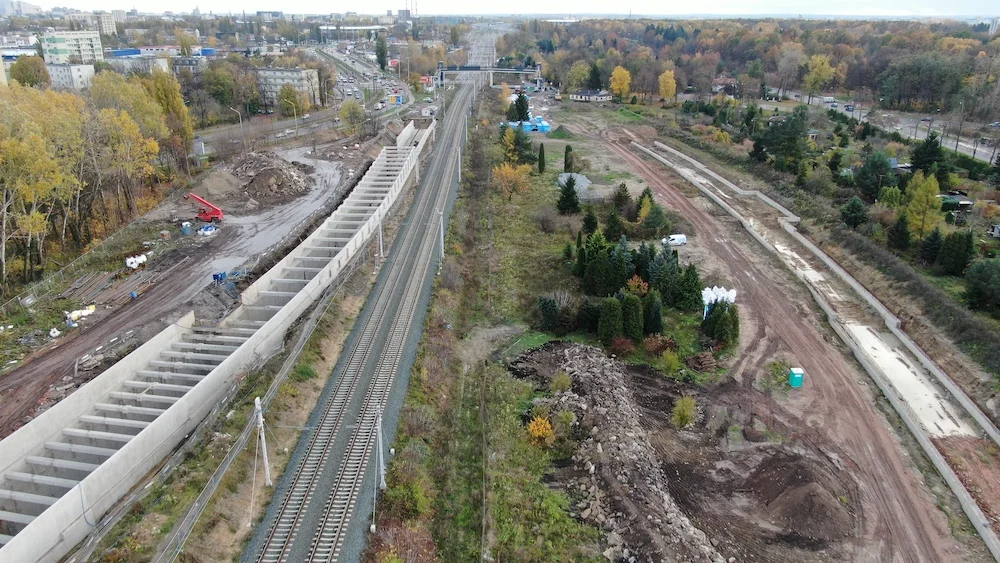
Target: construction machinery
207,212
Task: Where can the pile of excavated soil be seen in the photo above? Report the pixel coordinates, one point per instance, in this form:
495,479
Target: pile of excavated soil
267,177
798,498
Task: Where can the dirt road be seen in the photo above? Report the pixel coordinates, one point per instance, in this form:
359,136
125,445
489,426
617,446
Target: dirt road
899,520
241,239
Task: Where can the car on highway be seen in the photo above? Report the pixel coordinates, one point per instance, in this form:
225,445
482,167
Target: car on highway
926,118
428,100
995,124
848,107
279,136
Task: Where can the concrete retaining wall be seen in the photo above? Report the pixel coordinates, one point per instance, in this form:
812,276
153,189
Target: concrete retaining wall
67,522
969,505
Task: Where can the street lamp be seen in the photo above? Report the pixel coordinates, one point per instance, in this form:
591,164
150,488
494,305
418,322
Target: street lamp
241,126
295,118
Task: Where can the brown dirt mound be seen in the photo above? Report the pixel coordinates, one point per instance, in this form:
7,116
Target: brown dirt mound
268,177
798,496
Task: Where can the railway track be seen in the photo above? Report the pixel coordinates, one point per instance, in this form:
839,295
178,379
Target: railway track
311,518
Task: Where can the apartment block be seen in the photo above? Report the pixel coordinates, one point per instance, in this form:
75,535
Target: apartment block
77,47
70,77
105,23
304,80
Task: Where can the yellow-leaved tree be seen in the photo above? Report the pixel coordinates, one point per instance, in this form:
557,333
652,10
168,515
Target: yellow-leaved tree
621,82
668,85
924,209
511,179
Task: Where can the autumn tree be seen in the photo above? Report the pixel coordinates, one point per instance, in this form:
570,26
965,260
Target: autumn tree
166,91
820,74
577,75
668,85
621,82
30,71
511,179
290,101
353,115
110,90
924,209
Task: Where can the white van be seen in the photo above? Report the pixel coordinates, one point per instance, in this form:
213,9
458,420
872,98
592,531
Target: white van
675,240
828,99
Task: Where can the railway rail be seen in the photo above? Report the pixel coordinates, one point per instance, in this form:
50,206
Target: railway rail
314,505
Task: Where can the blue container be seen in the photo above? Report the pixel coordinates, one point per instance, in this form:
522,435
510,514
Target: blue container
186,228
796,376
134,295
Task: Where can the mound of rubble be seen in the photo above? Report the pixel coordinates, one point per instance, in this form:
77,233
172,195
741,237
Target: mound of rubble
618,475
267,177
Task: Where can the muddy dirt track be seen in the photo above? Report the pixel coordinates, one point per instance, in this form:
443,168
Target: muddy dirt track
23,388
899,520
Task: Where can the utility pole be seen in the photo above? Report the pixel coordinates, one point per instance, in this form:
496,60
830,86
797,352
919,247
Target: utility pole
441,216
961,121
263,444
242,135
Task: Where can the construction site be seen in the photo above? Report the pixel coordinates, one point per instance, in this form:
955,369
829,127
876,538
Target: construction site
158,343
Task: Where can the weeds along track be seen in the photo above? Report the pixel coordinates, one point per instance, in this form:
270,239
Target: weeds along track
313,513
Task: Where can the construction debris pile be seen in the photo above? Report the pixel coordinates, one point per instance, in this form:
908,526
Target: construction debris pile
267,177
616,464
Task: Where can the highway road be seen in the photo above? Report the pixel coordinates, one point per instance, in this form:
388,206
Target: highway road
320,508
917,126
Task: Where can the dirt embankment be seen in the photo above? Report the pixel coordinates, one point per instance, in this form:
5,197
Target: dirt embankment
266,177
725,488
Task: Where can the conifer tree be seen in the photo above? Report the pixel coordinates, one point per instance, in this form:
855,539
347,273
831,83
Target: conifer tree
632,320
653,323
610,324
541,158
568,203
899,233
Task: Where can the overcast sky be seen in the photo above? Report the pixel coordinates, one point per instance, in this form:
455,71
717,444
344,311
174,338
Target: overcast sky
557,7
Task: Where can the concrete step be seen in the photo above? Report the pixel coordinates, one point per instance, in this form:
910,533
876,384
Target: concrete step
98,435
144,397
7,494
41,480
79,449
169,375
128,409
112,421
60,463
16,518
144,386
204,347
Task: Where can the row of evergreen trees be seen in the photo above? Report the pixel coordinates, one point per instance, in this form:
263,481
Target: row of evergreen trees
949,255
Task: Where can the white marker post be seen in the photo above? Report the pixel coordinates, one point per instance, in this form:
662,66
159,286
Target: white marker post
263,443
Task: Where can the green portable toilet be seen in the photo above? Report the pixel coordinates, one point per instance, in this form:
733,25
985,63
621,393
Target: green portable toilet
795,377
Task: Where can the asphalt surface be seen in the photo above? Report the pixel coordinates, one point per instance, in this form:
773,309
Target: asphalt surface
435,193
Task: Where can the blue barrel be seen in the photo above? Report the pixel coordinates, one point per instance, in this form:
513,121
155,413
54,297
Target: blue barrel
134,295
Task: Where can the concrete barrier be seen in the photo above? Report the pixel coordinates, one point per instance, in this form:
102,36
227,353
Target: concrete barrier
66,522
969,505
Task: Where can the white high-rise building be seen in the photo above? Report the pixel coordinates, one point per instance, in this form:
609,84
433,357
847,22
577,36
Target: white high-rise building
105,23
304,80
76,47
994,26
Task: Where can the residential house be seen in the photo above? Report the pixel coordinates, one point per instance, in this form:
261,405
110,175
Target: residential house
590,96
304,80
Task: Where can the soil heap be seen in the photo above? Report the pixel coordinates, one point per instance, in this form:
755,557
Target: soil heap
267,177
621,479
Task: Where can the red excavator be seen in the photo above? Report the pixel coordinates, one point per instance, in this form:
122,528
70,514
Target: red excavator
208,212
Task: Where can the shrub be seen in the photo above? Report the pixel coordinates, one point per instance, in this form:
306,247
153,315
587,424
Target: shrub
303,372
609,326
684,412
406,500
588,316
622,346
657,344
540,430
982,290
632,318
560,382
548,311
670,362
546,220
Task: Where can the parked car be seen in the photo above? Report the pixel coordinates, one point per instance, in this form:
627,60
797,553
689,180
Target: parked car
675,240
848,108
995,124
428,100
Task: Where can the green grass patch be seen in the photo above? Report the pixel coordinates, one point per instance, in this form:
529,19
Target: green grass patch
560,133
775,378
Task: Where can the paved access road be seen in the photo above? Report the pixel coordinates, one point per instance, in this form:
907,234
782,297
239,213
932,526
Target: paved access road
321,506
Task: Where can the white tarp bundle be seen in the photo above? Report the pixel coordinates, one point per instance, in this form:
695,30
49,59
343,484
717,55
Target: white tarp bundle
133,262
716,294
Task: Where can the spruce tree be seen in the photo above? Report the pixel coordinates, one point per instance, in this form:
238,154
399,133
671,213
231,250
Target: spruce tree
548,311
579,239
568,159
899,233
581,262
621,198
610,325
654,313
622,267
632,320
568,203
541,158
854,213
689,290
956,253
614,228
590,221
930,247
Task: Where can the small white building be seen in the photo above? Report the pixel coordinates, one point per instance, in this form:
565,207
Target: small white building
70,77
590,96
